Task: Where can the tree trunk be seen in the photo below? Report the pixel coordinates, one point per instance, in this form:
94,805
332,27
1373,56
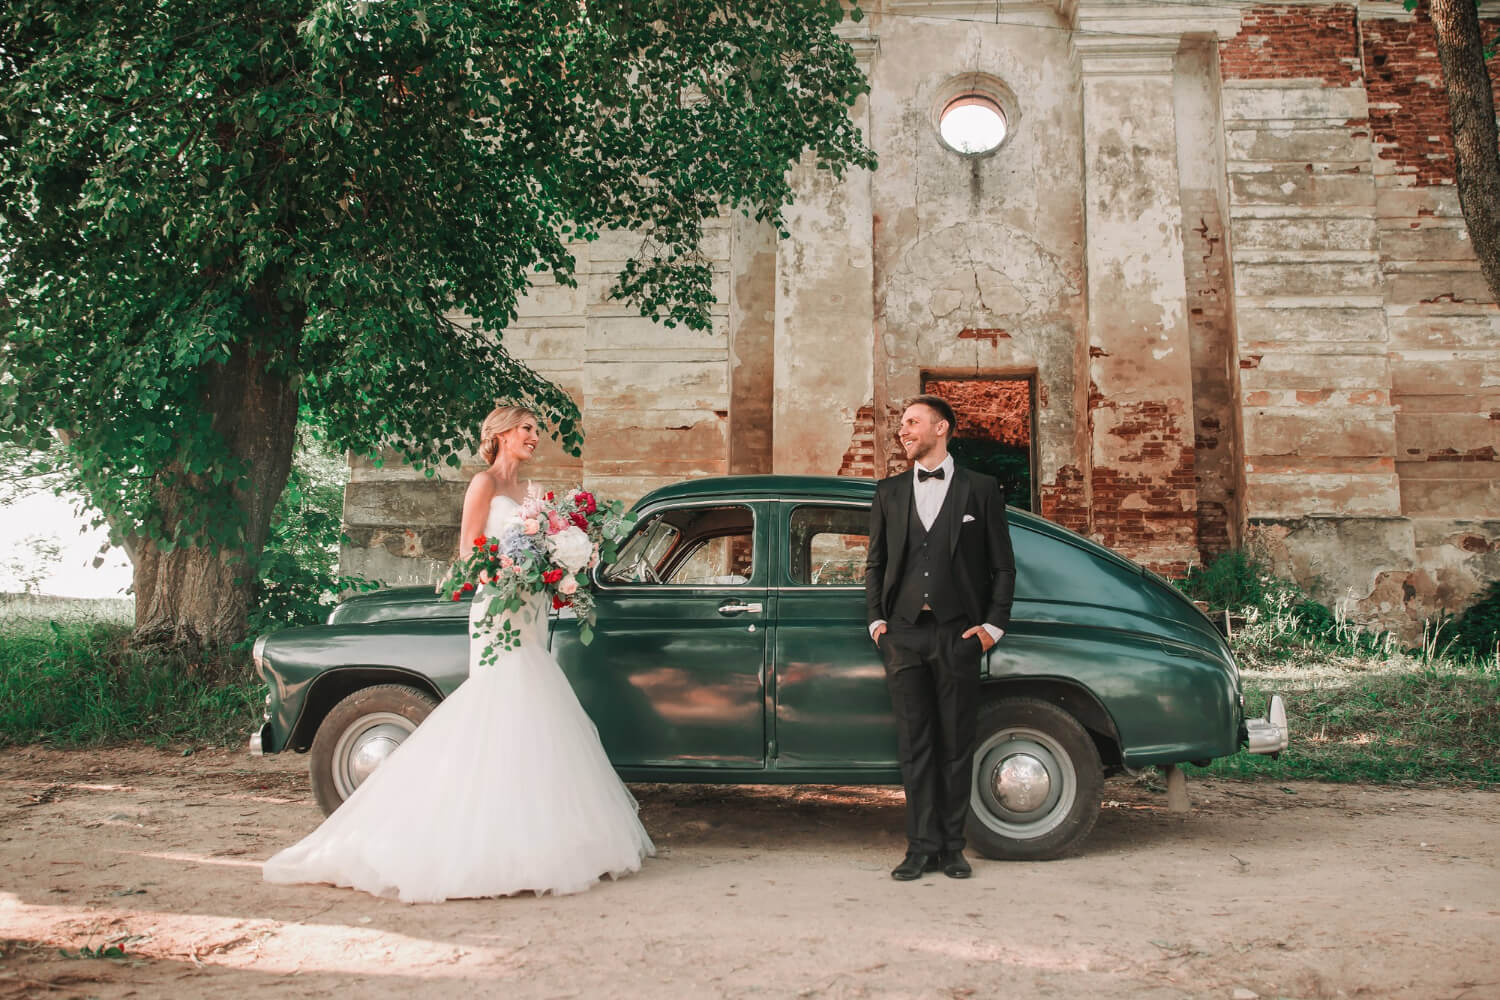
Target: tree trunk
1471,105
194,597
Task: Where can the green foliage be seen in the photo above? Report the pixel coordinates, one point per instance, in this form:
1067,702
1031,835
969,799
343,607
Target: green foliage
297,578
1362,706
204,206
1476,632
1011,466
1234,580
74,683
1238,582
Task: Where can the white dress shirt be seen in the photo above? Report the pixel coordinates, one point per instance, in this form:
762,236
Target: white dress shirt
928,496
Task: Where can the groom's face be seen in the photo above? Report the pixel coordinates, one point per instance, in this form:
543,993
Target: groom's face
924,434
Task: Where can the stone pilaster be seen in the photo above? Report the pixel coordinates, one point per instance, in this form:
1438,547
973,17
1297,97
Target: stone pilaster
1140,364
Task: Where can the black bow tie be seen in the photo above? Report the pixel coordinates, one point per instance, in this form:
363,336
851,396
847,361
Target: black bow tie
923,475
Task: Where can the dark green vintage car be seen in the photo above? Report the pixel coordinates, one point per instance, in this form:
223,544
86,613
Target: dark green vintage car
731,646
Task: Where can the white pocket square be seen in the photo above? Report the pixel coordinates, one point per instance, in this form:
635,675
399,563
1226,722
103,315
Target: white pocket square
967,518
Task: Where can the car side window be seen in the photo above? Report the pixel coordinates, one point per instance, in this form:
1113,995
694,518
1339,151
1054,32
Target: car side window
828,545
689,546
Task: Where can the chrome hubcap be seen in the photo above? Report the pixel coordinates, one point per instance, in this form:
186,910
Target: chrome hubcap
1025,783
364,746
1021,783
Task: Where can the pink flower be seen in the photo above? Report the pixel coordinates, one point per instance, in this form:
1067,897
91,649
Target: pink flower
530,526
554,523
507,562
568,586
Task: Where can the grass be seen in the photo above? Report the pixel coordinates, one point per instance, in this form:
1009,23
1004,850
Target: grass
1362,705
67,679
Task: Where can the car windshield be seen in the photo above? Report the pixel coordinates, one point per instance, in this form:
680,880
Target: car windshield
694,546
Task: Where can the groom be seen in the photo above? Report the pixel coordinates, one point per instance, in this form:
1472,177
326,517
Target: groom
939,580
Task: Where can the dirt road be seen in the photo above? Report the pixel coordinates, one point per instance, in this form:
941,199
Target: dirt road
1297,891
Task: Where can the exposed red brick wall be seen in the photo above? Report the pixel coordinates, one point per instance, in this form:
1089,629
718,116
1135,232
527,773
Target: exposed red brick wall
1065,502
859,459
1408,103
1279,42
1135,508
990,409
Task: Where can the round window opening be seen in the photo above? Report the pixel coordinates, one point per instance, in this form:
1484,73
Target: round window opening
972,124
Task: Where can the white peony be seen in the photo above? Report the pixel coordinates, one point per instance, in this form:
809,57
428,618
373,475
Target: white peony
571,549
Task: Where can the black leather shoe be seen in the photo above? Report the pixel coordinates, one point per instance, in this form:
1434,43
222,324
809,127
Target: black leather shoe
914,866
954,864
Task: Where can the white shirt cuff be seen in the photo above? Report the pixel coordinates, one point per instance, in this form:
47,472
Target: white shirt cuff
995,633
875,625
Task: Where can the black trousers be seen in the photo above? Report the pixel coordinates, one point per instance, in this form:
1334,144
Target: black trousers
933,676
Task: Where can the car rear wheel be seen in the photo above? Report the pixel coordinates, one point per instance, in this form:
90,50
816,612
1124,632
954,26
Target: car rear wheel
358,734
1036,781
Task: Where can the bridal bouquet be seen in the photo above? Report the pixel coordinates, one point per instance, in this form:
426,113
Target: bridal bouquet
549,547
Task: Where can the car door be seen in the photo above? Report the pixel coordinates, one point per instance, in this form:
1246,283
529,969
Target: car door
674,676
832,709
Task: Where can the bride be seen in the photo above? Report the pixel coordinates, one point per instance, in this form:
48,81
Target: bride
505,787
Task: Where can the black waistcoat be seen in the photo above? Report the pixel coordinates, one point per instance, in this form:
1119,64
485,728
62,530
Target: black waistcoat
927,569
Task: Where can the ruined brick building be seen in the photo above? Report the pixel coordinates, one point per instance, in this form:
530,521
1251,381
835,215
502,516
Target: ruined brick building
1212,288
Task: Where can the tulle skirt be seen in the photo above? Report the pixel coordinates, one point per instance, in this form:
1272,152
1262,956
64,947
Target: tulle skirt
504,788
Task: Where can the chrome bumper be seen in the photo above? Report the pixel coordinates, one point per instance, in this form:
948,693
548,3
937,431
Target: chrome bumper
258,740
1270,734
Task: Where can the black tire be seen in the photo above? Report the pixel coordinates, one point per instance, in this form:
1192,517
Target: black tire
1050,801
357,734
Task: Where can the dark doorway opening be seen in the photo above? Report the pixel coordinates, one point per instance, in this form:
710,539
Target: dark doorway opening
996,431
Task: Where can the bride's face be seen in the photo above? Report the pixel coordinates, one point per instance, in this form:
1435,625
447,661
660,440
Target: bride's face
521,440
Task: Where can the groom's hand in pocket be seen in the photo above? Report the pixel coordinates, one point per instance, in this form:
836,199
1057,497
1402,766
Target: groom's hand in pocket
985,640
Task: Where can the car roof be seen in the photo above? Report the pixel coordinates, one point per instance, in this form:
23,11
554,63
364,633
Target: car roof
764,487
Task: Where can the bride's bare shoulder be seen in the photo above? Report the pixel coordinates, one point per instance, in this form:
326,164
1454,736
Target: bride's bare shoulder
481,487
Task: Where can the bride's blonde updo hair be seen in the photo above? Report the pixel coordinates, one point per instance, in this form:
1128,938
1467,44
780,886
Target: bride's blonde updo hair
500,420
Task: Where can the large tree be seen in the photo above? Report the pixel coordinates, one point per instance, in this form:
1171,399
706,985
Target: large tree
220,218
1471,106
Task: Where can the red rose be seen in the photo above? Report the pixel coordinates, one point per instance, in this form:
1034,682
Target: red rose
558,602
456,595
548,496
494,548
468,587
585,500
552,576
580,519
480,541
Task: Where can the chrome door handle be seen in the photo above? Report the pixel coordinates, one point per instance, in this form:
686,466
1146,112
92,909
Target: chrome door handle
734,609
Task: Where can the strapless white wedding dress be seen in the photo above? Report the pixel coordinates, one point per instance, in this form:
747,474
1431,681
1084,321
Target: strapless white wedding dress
504,788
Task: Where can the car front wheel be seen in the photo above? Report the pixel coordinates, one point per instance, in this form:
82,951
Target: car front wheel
1036,781
358,734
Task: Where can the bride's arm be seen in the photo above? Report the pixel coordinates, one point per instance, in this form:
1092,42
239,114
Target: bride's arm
476,511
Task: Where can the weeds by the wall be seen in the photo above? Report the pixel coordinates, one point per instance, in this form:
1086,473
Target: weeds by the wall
1363,706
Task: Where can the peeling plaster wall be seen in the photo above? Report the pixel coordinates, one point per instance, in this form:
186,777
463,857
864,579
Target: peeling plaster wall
1369,360
979,261
655,404
1224,240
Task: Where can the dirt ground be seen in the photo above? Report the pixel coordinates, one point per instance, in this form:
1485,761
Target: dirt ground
1262,890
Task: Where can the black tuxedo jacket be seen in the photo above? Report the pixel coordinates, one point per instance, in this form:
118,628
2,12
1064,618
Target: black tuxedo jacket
984,566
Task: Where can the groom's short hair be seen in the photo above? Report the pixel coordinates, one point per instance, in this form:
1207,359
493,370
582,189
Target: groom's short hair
938,405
